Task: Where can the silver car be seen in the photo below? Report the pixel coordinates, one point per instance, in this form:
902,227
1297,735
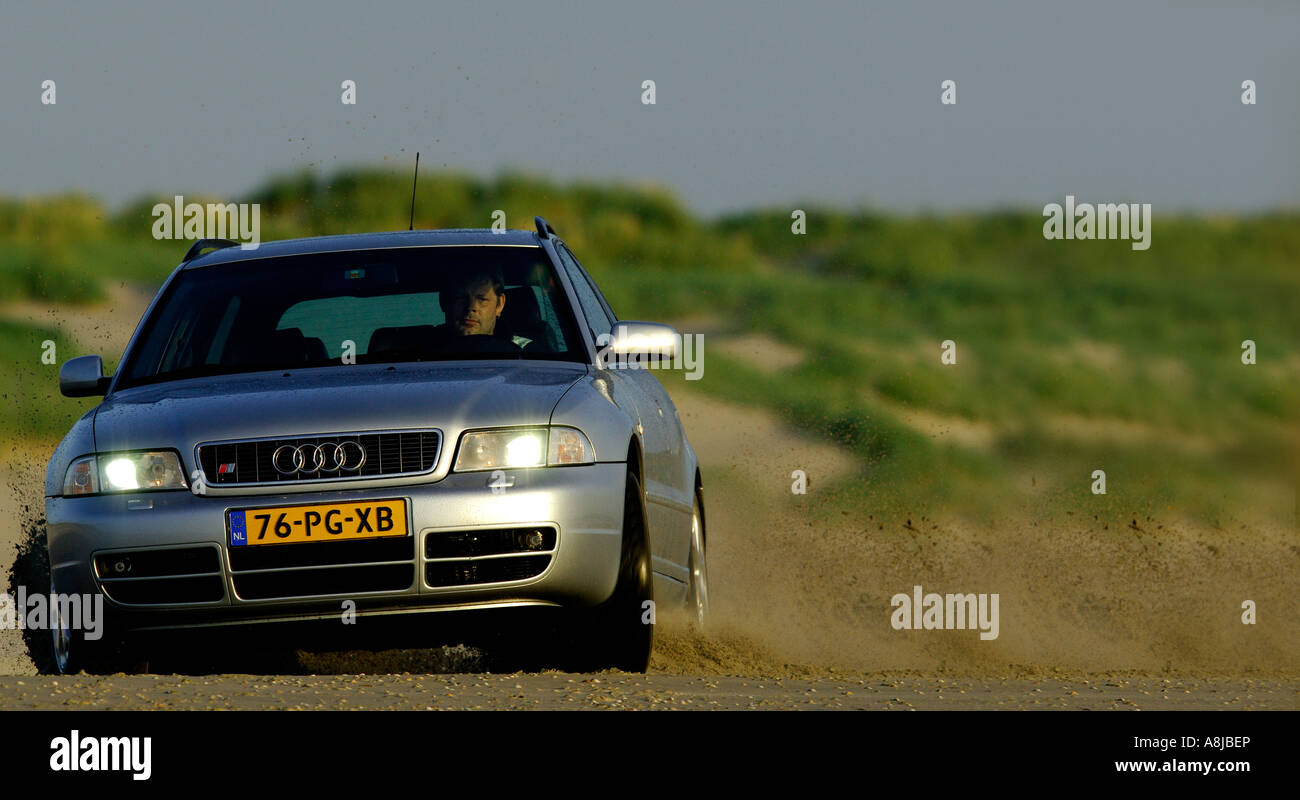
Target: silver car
353,428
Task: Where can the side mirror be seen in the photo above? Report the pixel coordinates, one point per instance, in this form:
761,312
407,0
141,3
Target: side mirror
83,377
632,342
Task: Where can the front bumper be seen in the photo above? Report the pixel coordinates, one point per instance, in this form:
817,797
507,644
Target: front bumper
185,537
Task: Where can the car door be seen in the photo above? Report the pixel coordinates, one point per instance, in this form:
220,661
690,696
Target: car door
640,394
677,488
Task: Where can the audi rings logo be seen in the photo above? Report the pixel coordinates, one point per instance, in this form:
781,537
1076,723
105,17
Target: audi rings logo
324,457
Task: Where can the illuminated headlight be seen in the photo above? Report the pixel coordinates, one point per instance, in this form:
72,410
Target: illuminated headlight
124,472
515,448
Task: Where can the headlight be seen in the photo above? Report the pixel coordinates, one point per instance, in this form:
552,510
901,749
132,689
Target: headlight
513,448
136,471
516,447
124,472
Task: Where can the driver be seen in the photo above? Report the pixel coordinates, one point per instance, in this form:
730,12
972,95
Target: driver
473,304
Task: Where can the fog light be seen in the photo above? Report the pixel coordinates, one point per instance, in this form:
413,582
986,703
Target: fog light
122,566
533,540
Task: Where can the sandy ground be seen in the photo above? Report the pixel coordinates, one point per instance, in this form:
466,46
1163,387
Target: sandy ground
616,691
1092,615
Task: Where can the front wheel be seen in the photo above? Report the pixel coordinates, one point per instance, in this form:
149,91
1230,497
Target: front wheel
72,651
619,633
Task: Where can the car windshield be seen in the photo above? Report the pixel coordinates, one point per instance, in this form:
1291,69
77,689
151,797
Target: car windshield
358,307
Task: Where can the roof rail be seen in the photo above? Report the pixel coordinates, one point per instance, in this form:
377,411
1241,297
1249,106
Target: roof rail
544,228
207,244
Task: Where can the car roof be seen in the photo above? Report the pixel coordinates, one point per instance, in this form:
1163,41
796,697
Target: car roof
368,241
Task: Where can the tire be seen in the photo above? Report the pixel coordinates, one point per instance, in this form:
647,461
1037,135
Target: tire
71,652
697,593
612,635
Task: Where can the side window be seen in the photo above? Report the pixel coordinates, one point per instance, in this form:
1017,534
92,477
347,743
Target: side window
592,309
604,304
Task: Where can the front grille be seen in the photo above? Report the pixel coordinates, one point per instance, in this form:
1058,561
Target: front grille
252,461
166,592
323,568
460,558
161,576
337,580
320,554
460,573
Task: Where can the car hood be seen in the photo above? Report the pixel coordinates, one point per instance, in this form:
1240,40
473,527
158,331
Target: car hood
451,396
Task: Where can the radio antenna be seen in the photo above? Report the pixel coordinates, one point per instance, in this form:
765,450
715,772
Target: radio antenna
413,181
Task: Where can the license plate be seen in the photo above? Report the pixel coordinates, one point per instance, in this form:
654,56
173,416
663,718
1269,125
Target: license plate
319,523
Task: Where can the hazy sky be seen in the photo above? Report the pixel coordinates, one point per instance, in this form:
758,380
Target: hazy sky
757,104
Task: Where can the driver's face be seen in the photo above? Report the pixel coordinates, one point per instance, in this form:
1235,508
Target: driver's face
473,308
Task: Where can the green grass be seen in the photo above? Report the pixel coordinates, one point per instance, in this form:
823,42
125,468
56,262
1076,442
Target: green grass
30,404
49,273
1140,377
